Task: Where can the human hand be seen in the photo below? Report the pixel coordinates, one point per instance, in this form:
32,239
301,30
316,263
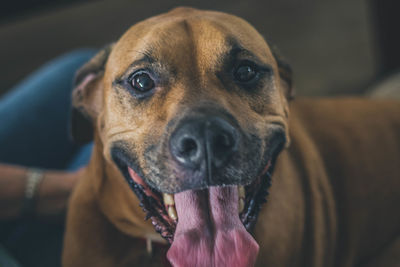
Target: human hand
51,198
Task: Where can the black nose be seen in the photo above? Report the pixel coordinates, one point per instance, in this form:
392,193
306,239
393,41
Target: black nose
210,140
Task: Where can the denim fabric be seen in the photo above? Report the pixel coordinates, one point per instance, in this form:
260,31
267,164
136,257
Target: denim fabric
34,115
34,118
6,260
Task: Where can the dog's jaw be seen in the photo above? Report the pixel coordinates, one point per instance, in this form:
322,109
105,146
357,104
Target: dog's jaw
172,214
228,214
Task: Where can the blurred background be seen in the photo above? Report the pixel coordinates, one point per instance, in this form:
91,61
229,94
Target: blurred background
334,46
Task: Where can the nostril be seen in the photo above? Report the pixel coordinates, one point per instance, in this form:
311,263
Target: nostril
223,141
188,147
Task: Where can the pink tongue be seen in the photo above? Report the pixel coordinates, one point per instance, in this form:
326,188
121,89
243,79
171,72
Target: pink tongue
209,231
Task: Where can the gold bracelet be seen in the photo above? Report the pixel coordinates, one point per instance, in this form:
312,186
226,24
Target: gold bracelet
33,179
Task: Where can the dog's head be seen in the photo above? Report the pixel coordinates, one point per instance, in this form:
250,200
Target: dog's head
192,108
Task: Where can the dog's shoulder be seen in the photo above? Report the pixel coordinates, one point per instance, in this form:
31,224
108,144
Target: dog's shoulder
358,142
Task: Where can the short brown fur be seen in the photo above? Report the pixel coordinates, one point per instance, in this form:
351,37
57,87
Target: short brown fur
335,193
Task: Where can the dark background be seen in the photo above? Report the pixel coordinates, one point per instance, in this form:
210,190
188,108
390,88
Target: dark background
334,46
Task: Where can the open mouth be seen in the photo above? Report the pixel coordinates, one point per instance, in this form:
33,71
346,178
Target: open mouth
209,226
161,207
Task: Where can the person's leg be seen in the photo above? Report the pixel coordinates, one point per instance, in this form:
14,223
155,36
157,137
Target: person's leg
34,132
6,260
81,158
34,115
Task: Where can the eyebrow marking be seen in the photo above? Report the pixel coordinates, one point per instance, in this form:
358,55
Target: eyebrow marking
237,49
146,53
235,46
145,59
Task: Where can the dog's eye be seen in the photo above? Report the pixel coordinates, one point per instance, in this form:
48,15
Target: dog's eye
245,73
142,82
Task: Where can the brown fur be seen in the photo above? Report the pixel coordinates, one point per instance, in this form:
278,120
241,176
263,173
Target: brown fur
335,193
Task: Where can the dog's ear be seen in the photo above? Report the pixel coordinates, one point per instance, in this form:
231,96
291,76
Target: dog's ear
285,73
87,96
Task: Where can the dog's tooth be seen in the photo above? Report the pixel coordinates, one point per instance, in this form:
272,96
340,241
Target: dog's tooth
168,199
172,213
241,205
242,196
241,191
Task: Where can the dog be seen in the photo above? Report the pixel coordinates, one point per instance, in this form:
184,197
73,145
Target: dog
192,118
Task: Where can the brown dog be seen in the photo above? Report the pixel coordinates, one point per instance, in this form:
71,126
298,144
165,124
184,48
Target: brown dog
190,110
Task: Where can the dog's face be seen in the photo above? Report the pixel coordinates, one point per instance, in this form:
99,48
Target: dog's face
189,101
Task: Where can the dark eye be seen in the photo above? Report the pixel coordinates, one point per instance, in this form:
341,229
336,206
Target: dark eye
245,73
142,82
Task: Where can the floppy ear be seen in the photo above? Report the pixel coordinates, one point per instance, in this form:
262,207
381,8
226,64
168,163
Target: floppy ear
285,73
87,96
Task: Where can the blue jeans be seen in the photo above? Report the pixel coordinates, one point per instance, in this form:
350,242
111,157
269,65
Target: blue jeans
34,119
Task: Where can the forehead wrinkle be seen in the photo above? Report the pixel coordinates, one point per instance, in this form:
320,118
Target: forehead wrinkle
170,43
241,33
193,49
210,40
